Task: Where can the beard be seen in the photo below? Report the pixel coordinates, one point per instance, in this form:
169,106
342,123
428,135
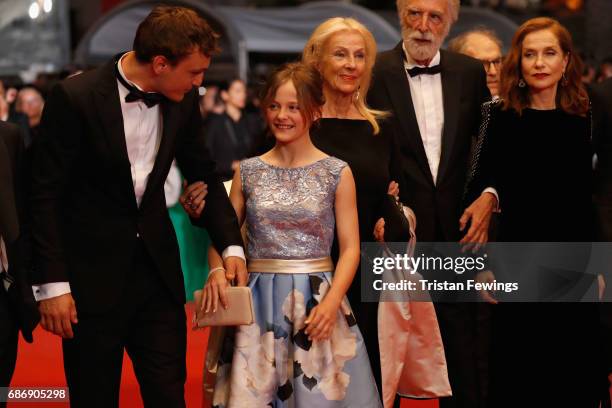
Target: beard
421,50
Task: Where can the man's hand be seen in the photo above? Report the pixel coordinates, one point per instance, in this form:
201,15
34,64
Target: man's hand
57,315
235,267
193,197
486,277
479,212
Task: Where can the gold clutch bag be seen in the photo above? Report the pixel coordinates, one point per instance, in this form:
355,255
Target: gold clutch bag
239,312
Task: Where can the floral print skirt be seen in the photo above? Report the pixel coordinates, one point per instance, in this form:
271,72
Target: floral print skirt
272,363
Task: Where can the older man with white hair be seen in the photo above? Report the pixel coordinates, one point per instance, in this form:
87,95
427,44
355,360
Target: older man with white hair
435,97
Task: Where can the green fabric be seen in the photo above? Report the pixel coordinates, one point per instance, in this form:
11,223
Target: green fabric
193,246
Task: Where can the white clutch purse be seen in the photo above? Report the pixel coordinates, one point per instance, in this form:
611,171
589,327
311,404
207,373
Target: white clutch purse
239,312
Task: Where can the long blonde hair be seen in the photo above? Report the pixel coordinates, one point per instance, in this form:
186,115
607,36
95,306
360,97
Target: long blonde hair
313,55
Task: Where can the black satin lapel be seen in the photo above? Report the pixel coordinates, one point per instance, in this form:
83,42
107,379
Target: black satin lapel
451,88
399,89
165,154
9,226
111,119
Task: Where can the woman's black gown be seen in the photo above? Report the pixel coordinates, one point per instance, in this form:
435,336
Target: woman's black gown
543,354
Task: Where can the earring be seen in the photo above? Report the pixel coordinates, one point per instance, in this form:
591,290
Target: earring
563,80
357,94
521,83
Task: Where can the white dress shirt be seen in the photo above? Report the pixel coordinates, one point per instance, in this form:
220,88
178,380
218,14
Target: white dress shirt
143,128
426,93
428,101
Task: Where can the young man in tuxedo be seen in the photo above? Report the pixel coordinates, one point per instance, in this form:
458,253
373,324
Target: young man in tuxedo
107,261
17,307
435,97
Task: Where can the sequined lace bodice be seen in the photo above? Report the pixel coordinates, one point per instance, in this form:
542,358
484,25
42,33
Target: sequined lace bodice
290,211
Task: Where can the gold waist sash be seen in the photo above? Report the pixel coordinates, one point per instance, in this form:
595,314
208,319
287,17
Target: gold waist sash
290,265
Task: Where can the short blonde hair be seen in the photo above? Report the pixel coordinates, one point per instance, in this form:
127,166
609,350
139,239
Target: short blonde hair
313,55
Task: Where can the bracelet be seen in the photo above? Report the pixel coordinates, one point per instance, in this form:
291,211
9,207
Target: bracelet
218,268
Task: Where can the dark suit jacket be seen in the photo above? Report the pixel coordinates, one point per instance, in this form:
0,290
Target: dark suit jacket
14,229
86,222
601,98
464,90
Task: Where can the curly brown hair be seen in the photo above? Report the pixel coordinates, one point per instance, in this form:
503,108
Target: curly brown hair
571,95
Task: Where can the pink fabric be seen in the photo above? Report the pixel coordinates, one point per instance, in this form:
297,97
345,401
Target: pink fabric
411,352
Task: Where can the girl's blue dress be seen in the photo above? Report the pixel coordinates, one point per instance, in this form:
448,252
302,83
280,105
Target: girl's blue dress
271,363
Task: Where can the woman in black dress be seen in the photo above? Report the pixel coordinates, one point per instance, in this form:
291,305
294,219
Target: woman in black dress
344,51
537,154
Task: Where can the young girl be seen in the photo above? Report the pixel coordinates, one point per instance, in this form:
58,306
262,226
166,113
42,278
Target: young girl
304,349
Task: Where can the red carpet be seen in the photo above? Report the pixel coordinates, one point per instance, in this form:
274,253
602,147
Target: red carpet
40,364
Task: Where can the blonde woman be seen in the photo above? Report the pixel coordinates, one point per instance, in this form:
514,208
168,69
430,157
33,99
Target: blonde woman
344,51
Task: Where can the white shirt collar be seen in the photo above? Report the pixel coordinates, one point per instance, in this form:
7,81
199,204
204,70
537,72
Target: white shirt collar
410,63
120,69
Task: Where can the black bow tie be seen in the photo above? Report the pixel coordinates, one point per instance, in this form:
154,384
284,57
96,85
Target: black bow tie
436,69
149,98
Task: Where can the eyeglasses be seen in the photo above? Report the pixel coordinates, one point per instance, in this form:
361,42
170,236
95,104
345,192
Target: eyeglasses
494,62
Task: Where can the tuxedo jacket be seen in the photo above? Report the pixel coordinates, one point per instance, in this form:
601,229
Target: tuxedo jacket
85,220
438,207
14,229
